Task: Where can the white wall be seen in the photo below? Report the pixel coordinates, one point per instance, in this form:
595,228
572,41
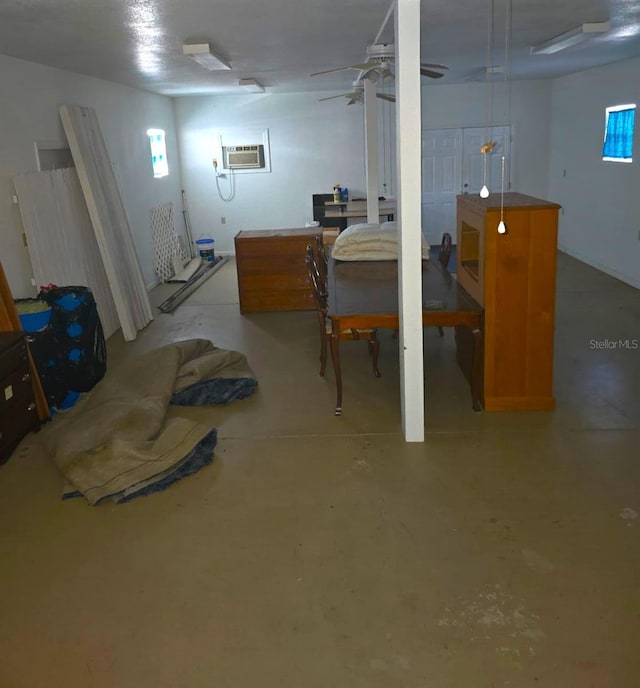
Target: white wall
31,95
600,220
313,146
467,105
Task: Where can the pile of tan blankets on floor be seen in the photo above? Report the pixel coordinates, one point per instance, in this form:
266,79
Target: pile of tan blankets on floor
128,437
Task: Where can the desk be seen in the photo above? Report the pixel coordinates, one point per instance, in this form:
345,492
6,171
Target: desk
364,294
330,213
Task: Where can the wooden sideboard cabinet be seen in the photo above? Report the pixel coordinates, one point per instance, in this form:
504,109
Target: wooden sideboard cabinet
18,412
272,274
513,276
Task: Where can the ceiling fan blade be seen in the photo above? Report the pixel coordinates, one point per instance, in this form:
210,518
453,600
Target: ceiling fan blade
386,96
435,66
342,69
430,74
341,95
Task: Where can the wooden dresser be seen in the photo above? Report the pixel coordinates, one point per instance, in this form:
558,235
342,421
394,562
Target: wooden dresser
18,413
513,276
272,274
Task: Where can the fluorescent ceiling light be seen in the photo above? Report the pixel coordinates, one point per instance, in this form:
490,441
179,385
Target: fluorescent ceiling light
486,73
569,38
251,85
201,53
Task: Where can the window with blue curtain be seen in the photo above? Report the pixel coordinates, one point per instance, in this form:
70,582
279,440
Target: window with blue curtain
618,136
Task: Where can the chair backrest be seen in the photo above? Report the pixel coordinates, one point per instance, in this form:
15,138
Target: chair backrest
445,250
315,279
322,263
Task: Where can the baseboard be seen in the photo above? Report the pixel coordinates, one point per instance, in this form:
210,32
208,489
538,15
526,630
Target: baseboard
153,284
599,266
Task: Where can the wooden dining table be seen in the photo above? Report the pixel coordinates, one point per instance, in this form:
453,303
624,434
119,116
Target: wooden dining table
364,294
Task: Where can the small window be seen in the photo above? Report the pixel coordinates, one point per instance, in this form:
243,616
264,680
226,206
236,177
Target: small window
158,153
618,133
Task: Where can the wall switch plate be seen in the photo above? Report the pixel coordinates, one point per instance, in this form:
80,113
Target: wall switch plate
223,220
14,199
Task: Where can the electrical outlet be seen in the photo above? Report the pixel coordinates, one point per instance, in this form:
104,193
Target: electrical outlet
215,164
33,281
223,220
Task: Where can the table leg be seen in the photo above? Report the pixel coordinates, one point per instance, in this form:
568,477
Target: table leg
335,357
476,369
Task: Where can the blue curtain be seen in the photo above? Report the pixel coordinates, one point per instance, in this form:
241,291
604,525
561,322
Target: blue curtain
618,141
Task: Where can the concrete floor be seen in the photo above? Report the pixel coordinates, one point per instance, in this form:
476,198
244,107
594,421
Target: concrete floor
319,551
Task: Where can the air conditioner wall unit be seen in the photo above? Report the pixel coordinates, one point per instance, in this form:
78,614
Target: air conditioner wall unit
243,157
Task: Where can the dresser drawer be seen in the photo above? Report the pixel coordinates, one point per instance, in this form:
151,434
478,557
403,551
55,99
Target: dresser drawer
18,412
13,357
265,300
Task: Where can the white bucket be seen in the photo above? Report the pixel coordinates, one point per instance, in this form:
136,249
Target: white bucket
204,246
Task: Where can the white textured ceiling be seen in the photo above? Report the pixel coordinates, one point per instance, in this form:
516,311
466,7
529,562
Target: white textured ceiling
280,42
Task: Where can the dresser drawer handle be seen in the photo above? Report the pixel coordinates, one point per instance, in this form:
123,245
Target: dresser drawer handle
26,377
32,406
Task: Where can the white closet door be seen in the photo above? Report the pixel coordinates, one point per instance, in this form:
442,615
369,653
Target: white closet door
108,218
60,237
441,181
452,164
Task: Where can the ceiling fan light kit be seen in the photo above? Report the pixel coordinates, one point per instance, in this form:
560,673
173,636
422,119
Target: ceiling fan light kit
205,57
379,59
357,95
570,38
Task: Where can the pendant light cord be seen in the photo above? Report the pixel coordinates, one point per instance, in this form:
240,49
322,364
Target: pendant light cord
489,82
507,95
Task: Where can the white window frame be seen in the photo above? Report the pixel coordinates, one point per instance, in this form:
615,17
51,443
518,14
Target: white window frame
158,153
616,108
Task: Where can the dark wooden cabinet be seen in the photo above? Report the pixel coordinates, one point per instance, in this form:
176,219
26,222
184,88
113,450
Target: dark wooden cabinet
18,413
513,276
272,274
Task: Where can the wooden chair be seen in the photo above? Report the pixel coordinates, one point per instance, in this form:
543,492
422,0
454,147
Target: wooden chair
445,251
443,258
319,290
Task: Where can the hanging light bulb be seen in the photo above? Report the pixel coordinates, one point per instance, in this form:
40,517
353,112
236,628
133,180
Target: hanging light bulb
484,192
502,228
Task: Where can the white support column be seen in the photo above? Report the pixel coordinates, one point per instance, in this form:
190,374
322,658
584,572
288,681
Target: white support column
408,154
371,148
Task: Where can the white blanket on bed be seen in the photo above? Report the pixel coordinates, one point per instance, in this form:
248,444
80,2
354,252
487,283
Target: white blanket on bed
370,242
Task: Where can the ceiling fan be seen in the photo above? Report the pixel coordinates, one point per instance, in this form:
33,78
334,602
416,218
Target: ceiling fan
357,95
379,58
